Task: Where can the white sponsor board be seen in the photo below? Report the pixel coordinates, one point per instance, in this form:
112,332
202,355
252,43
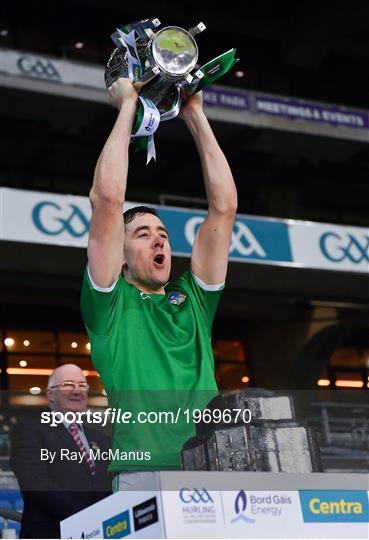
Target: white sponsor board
192,512
189,504
45,218
318,245
35,66
64,220
135,514
260,513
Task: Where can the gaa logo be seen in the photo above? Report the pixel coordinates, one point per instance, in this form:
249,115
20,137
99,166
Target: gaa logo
38,68
243,241
344,247
195,496
52,219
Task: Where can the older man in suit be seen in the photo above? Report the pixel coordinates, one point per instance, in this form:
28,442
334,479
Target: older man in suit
54,489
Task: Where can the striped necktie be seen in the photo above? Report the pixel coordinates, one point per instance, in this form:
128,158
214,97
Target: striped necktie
73,428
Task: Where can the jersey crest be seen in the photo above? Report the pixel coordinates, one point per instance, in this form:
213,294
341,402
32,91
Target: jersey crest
177,298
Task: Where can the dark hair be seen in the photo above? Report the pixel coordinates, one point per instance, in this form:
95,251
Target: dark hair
130,214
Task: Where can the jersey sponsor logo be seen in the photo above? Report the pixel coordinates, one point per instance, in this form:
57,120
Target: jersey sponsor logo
177,298
52,219
144,296
338,248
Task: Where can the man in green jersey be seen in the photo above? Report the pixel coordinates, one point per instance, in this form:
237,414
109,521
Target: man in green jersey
150,339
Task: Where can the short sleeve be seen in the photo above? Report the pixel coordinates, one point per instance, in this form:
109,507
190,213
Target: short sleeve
207,299
98,306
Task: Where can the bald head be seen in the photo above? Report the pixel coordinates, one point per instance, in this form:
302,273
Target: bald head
64,373
67,397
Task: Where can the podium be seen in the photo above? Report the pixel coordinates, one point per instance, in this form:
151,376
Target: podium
187,504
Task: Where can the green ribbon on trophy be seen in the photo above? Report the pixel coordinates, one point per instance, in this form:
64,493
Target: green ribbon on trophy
162,61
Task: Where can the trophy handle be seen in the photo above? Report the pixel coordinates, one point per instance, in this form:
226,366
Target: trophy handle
148,75
197,29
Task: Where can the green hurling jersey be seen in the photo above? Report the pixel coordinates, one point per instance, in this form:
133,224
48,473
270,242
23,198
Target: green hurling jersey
153,353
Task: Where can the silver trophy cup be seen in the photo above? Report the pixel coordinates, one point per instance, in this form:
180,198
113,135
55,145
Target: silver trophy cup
162,62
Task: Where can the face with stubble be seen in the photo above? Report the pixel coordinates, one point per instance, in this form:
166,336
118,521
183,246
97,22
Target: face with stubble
147,254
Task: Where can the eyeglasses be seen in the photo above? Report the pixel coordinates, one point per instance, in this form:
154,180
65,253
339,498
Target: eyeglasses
69,385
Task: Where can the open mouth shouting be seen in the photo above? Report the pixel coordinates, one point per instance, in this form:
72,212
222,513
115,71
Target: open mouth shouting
159,260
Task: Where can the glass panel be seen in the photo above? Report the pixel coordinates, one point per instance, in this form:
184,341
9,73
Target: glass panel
84,362
347,375
97,401
96,386
29,361
27,400
25,382
350,357
30,341
229,350
231,376
73,343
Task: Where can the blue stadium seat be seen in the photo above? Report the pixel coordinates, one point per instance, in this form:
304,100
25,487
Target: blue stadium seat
14,525
18,504
5,503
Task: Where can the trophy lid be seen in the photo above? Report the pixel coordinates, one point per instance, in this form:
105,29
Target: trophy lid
175,51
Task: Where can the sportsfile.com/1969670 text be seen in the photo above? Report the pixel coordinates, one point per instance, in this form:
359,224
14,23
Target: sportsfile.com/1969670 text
119,416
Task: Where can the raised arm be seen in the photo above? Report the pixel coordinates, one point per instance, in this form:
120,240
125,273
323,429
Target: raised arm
210,251
107,195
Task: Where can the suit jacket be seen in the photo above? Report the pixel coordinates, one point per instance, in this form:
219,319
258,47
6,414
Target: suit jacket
54,491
